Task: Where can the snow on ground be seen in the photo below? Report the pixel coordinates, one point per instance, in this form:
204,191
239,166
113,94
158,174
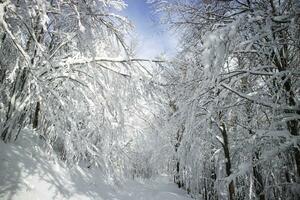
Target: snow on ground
28,173
159,189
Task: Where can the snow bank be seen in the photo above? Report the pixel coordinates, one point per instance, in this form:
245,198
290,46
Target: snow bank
27,172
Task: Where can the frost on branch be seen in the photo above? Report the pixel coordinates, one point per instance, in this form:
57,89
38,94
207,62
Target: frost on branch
235,88
76,108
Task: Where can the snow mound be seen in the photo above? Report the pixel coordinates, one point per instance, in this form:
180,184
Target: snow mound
29,173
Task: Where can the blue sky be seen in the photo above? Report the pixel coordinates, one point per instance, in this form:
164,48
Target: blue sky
153,38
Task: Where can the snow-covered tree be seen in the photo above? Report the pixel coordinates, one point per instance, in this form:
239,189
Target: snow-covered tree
67,72
237,97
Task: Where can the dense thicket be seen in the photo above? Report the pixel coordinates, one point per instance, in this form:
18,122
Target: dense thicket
234,98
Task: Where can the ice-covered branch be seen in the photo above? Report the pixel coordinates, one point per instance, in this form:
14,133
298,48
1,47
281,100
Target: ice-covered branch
107,59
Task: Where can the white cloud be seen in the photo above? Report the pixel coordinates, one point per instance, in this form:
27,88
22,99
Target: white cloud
153,44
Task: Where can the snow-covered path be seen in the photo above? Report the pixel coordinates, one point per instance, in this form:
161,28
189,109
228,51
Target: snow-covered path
27,173
158,189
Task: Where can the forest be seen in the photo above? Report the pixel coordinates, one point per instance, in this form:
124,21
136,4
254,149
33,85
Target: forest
220,118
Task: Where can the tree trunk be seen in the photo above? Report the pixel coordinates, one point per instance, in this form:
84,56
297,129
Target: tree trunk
35,121
258,182
225,146
281,62
178,141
